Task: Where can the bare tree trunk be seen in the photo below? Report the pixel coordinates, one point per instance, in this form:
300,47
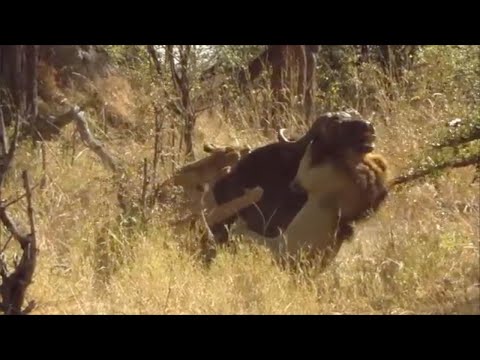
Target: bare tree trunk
299,63
154,57
18,69
31,53
285,61
255,68
310,82
364,53
278,60
17,79
181,82
12,71
395,59
301,69
385,57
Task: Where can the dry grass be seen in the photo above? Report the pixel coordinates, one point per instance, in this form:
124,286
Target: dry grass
419,254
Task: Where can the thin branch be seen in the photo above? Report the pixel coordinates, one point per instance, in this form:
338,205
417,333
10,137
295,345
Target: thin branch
415,174
28,192
175,77
156,147
145,183
94,145
43,182
14,201
6,244
181,82
460,140
48,128
8,223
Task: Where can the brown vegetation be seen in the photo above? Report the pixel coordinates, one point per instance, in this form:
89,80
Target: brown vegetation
418,254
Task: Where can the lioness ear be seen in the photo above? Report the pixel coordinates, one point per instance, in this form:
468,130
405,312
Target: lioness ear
208,148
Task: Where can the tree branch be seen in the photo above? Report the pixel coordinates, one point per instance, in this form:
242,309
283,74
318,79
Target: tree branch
14,286
94,145
460,140
415,174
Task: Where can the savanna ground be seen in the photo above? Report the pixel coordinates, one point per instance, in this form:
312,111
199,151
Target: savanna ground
418,254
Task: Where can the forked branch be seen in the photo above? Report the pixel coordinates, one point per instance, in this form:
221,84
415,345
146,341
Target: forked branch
14,285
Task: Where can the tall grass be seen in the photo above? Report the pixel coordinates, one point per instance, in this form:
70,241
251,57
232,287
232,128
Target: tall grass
418,254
